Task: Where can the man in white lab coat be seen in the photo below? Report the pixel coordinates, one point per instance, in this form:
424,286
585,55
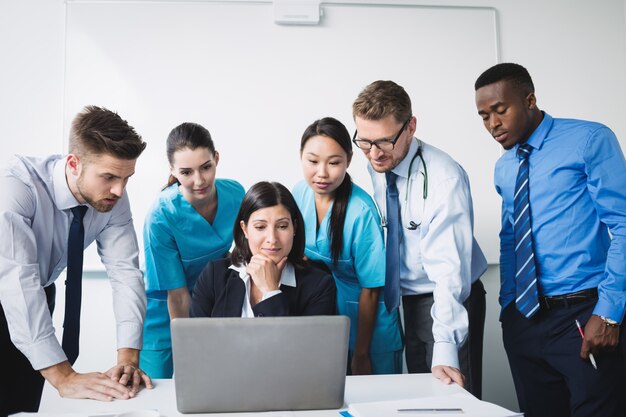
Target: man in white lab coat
433,261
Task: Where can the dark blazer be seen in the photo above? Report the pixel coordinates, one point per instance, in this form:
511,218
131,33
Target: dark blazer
220,292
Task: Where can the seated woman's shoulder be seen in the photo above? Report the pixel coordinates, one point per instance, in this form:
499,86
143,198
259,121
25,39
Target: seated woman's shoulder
314,274
316,267
317,282
215,265
222,262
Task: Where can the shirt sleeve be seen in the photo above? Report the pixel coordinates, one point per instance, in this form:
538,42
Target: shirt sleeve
368,239
270,294
507,258
447,253
21,292
164,267
119,251
606,182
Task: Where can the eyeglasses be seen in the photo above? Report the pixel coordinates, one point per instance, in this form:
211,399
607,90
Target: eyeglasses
385,145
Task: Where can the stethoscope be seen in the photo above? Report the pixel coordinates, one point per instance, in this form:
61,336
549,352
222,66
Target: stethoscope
411,225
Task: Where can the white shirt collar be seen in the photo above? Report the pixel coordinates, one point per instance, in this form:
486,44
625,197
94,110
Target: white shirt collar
63,197
287,277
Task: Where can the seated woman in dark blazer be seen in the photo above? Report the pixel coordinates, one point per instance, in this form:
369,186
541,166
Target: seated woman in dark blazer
265,274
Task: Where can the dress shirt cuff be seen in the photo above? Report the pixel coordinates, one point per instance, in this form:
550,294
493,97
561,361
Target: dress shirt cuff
45,353
129,335
446,354
270,294
608,310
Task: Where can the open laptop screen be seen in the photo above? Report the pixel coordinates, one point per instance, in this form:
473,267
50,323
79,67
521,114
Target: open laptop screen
259,364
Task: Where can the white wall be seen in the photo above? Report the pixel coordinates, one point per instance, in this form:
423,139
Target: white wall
32,38
574,49
257,93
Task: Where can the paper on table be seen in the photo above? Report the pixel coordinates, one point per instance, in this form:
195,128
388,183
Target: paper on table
471,406
134,413
28,414
63,414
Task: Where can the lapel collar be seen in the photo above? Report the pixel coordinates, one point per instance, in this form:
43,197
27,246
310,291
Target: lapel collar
230,302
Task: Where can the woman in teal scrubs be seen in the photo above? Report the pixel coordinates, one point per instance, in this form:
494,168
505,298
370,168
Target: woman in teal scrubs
343,231
190,223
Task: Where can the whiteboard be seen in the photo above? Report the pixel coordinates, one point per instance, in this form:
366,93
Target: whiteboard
256,85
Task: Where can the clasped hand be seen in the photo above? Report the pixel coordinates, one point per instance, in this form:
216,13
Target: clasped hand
129,375
122,382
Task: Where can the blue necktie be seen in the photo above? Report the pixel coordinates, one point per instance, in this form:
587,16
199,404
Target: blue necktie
392,273
73,284
526,287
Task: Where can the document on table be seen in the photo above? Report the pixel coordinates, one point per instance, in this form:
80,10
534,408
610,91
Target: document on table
449,405
136,413
132,413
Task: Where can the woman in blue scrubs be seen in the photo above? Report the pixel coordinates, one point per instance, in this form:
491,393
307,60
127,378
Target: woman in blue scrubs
190,223
343,231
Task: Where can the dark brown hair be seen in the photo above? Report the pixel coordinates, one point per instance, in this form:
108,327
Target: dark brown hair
187,135
262,195
96,131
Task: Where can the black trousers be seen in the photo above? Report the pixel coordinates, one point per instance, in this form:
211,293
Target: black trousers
550,378
419,341
21,386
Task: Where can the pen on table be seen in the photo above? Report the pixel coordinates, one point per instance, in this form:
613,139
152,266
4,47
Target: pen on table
591,358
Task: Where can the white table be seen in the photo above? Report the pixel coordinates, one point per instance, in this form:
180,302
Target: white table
163,397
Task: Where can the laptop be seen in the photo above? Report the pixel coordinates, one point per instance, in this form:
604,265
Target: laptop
259,364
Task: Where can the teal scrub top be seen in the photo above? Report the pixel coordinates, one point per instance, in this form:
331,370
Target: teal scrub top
178,243
361,263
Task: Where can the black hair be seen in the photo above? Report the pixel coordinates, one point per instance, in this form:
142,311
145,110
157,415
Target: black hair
506,71
335,130
262,195
187,135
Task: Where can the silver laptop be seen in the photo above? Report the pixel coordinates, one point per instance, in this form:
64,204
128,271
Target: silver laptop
259,364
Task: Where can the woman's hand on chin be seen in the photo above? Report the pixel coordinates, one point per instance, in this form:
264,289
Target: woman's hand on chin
265,273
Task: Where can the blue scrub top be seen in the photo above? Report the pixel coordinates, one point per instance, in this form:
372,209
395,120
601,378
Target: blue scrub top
361,263
178,243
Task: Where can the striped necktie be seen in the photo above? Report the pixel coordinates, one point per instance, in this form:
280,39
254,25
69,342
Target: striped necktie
526,287
392,273
73,284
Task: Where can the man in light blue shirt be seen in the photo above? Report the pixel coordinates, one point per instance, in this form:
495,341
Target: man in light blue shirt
41,198
574,175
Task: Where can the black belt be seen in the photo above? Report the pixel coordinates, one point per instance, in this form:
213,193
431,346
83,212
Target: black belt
567,300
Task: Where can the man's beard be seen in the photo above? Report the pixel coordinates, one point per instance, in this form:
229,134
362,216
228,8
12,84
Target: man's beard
99,205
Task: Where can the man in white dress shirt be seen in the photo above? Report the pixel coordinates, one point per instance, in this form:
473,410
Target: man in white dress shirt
40,197
438,262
